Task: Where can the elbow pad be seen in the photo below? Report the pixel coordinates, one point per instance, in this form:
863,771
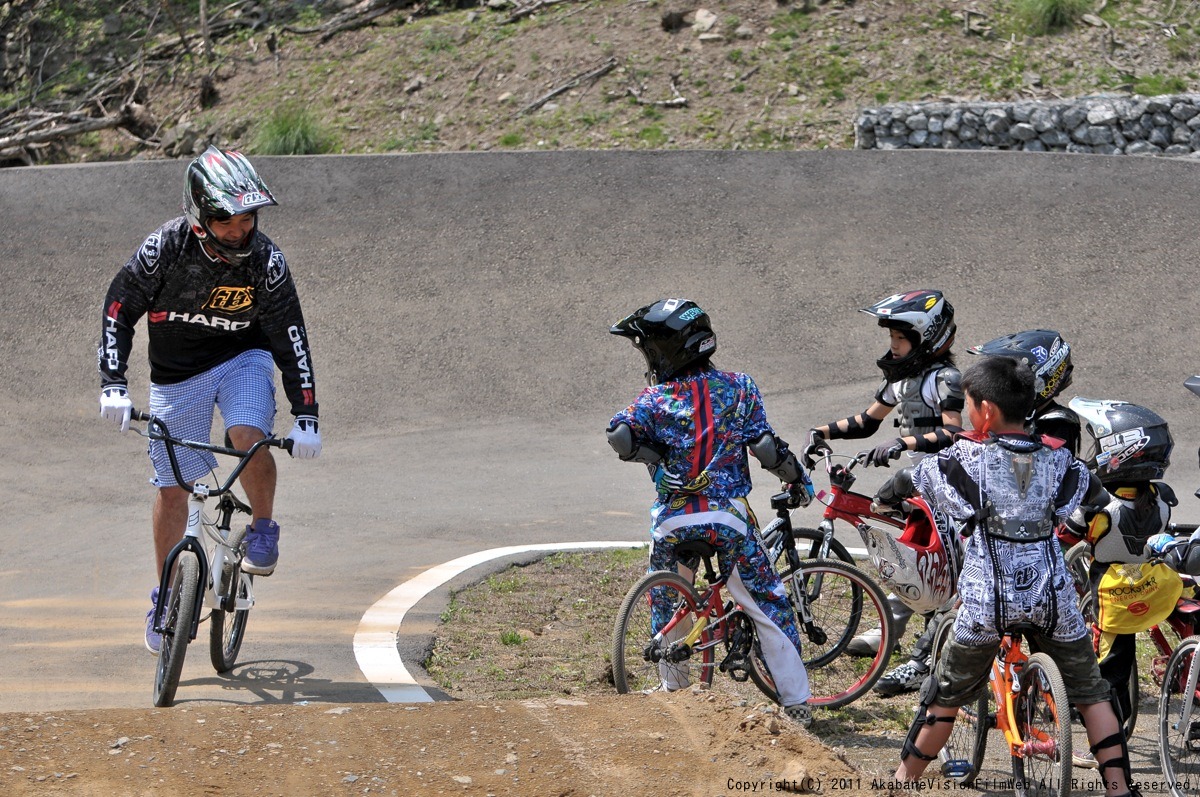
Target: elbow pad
775,457
620,437
943,437
857,427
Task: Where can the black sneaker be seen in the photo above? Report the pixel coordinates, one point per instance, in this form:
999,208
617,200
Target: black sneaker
908,677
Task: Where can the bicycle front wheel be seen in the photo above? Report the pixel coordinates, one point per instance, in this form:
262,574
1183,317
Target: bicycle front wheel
182,600
962,756
1179,736
1042,764
228,629
648,650
833,602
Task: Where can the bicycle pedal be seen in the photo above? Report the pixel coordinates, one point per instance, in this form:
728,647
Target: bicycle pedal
739,675
956,768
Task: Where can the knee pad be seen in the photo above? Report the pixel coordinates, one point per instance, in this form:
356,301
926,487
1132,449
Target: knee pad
929,693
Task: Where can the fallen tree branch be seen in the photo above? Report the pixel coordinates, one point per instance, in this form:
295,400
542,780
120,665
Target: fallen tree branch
533,8
678,101
591,76
54,133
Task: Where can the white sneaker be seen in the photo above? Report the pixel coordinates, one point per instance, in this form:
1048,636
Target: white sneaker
1084,759
866,645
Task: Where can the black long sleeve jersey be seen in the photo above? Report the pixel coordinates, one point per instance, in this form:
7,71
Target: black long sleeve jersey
201,313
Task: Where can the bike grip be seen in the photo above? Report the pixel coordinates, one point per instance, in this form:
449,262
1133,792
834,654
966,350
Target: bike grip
286,443
138,415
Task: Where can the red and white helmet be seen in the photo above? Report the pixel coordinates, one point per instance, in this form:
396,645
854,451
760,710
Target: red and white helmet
921,565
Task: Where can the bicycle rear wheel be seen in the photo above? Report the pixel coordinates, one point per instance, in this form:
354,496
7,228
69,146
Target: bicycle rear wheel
1179,743
178,615
833,601
1042,765
962,756
645,661
228,629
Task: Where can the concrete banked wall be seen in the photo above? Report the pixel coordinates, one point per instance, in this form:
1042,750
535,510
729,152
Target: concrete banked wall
1104,124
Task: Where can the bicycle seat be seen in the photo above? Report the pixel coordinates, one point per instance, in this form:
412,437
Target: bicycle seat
695,549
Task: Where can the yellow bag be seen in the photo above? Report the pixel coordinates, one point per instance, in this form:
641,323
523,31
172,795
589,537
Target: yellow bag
1133,597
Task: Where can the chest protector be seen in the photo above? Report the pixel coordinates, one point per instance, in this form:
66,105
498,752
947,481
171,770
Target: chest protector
1013,465
1119,531
914,415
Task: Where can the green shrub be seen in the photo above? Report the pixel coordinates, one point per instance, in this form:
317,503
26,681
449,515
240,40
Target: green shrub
1039,17
292,131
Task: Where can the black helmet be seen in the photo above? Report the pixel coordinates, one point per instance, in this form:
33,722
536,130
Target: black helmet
1124,442
222,184
1044,351
926,319
671,333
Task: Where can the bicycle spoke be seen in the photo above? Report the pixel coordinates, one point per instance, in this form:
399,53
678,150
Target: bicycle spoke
1179,719
649,650
1042,762
834,602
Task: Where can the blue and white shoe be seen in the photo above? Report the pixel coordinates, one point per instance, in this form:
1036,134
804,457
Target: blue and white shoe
262,547
153,638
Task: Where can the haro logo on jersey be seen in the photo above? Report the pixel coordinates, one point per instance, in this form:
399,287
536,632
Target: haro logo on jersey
216,322
230,300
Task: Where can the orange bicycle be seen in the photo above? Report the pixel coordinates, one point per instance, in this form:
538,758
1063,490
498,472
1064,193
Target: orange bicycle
1031,705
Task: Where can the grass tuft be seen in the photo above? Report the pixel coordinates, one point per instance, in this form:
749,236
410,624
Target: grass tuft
1039,17
292,131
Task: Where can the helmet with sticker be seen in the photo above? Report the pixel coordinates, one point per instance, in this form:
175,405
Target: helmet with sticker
1044,351
926,319
1123,443
672,334
222,184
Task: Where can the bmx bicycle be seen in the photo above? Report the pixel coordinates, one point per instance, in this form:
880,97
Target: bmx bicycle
193,576
668,633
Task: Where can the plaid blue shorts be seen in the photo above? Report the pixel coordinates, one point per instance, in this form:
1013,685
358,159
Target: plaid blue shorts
242,388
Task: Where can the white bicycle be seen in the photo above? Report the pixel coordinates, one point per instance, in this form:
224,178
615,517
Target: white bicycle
228,592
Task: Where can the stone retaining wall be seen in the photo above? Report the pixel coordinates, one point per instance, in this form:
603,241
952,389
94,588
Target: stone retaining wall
1106,124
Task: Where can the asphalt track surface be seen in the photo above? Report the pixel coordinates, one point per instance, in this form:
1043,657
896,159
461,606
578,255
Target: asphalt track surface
458,306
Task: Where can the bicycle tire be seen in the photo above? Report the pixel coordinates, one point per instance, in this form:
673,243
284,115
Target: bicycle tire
1179,747
633,669
842,599
228,629
182,600
1042,767
1078,560
969,735
808,545
1135,697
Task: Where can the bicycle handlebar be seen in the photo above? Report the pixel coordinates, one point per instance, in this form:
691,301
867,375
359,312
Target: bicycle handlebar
157,430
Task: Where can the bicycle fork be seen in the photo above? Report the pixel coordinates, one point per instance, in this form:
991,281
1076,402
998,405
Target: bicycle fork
190,542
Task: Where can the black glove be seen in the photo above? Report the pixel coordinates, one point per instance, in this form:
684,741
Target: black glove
884,453
814,447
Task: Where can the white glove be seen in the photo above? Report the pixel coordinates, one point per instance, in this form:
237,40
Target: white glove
116,406
306,439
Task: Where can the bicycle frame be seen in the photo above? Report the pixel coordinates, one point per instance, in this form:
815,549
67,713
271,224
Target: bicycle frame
1005,684
1191,686
210,567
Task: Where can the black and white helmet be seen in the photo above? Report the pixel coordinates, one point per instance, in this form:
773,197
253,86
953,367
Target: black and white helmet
671,333
1123,442
926,319
1044,351
222,184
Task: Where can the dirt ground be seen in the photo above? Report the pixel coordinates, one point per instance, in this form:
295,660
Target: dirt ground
534,717
683,743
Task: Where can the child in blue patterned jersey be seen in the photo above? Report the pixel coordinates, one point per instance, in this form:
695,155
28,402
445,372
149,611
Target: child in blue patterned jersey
692,427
